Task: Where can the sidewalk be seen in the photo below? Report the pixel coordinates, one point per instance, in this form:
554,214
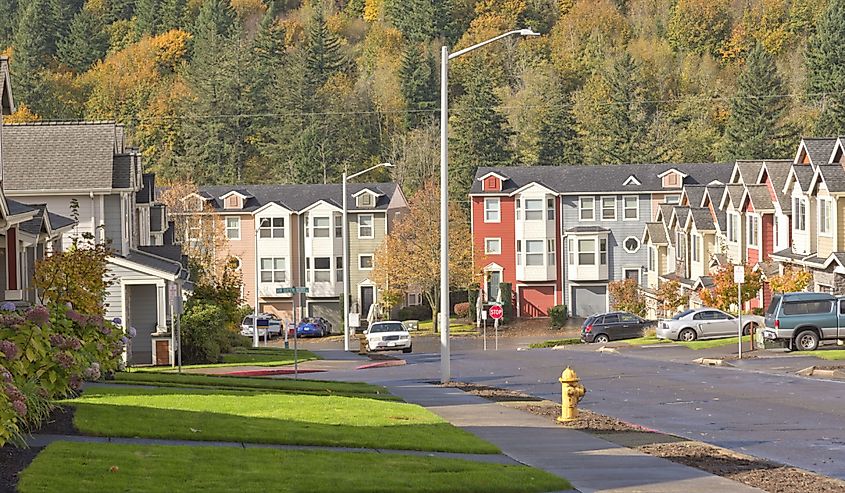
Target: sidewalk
589,463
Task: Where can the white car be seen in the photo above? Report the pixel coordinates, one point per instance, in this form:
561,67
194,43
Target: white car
266,322
387,336
705,323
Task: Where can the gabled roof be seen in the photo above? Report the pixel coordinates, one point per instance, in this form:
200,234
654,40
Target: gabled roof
46,222
702,219
778,172
733,193
714,193
664,213
367,190
492,173
240,193
833,176
655,232
748,171
631,180
818,149
803,176
63,156
761,199
672,170
679,215
694,194
7,102
299,197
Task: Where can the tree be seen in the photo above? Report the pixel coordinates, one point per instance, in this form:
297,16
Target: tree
699,26
558,139
7,21
756,128
791,280
723,294
409,258
419,84
147,20
34,45
420,21
825,74
625,295
480,134
670,297
322,50
172,14
86,42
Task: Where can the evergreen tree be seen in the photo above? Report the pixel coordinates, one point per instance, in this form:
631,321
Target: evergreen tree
322,50
86,43
419,84
7,21
34,44
147,17
172,14
267,64
755,128
480,134
213,26
558,143
420,21
825,74
62,14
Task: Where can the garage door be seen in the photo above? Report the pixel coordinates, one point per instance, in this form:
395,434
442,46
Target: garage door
588,300
330,310
535,301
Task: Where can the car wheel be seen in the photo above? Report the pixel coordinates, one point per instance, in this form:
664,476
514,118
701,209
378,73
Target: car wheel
407,350
601,339
746,331
807,341
687,335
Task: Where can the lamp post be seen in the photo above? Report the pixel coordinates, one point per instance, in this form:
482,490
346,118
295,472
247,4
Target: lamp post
445,56
346,250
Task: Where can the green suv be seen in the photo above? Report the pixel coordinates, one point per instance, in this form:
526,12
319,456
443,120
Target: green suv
801,320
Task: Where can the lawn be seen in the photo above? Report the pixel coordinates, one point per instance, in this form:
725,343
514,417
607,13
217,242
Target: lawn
455,326
316,387
828,354
556,342
252,357
696,345
106,468
267,417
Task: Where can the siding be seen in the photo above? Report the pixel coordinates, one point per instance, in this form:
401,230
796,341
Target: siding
504,230
113,220
114,306
767,233
244,250
362,246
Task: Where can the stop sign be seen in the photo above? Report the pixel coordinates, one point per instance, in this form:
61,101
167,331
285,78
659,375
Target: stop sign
496,312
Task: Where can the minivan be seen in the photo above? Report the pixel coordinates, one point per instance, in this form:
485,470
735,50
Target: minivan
801,320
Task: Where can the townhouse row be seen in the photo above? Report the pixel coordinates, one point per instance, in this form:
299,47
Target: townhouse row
292,236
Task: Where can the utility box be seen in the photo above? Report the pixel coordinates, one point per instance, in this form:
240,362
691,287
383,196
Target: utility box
162,349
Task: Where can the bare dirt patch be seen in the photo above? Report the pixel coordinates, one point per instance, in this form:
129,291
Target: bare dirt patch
13,459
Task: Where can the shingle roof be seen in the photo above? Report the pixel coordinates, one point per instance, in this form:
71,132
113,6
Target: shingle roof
657,233
703,219
834,177
760,197
587,229
804,175
749,170
6,100
298,197
694,194
778,172
819,149
66,156
155,262
735,194
59,221
601,178
35,225
16,207
666,213
715,193
682,212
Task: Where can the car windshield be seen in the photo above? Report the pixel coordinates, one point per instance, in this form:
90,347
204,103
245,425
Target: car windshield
773,305
588,321
682,314
387,327
262,322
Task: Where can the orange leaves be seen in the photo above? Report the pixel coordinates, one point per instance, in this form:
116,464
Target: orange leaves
723,294
22,115
791,280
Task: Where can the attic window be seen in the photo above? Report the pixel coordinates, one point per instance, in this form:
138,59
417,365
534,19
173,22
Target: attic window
491,183
365,200
671,180
234,202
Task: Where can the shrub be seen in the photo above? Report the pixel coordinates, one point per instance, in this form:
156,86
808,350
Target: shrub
472,297
627,296
507,301
462,310
204,333
558,315
415,312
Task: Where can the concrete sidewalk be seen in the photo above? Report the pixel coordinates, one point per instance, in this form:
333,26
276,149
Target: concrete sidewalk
589,463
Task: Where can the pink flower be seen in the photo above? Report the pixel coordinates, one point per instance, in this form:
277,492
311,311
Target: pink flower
57,340
13,393
5,375
92,372
76,317
39,315
20,408
105,330
65,359
75,382
9,349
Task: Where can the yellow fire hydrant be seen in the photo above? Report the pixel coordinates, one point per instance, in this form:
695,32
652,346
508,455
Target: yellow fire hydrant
571,393
362,344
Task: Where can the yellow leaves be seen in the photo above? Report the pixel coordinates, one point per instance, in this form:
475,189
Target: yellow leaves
590,31
249,8
22,115
791,280
373,10
170,48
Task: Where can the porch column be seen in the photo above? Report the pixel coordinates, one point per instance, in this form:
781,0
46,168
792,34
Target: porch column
161,303
12,259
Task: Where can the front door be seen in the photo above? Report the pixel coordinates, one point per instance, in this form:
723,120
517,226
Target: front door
367,297
494,278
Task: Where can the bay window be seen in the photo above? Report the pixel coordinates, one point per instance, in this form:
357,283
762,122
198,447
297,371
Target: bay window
534,252
533,209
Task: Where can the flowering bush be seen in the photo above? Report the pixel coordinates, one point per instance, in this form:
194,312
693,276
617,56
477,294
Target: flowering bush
45,354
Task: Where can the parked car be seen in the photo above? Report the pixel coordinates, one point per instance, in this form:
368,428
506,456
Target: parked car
327,326
389,335
310,327
802,320
705,323
268,324
605,327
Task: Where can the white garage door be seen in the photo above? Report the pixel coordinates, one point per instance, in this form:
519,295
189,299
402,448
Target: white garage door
588,300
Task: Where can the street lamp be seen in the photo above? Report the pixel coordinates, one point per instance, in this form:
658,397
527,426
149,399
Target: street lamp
445,363
346,251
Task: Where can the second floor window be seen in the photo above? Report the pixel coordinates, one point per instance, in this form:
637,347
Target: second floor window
631,208
491,210
587,252
271,227
733,227
799,214
533,209
322,269
753,231
365,226
321,227
652,259
492,246
233,228
273,270
608,208
695,245
551,251
338,226
533,252
824,216
550,209
193,231
587,209
365,262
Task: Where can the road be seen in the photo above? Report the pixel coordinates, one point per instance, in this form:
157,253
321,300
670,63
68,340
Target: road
789,419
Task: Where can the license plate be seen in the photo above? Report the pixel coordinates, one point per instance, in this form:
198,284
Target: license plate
391,344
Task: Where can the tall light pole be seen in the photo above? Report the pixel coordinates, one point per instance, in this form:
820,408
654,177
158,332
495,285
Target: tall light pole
346,250
445,56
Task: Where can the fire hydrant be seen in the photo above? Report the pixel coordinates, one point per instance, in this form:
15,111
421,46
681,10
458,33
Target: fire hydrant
362,344
571,393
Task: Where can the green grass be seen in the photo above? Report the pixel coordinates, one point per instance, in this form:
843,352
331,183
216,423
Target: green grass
262,417
556,342
90,468
711,343
316,387
828,354
455,327
252,357
644,341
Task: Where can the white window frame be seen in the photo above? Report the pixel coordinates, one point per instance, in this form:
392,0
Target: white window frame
538,211
824,206
490,210
550,209
572,251
626,270
361,226
321,271
338,266
733,227
603,208
672,199
582,208
271,229
338,225
799,214
413,299
550,249
602,251
490,251
775,232
695,245
530,260
327,227
587,251
273,270
194,224
625,244
626,208
518,252
753,231
652,259
233,229
363,256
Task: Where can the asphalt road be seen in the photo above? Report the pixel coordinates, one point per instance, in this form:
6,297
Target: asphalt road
789,419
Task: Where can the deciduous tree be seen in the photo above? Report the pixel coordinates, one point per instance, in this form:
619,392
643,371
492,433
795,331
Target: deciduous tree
670,297
723,294
625,295
791,280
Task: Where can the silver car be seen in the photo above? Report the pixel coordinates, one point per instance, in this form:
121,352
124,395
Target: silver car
704,323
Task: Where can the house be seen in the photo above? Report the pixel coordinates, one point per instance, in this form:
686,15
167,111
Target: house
86,171
292,235
559,235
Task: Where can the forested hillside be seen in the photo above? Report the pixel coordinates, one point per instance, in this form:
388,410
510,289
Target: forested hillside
290,91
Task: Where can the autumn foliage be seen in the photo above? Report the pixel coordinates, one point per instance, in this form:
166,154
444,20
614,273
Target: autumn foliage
670,297
791,280
626,296
724,292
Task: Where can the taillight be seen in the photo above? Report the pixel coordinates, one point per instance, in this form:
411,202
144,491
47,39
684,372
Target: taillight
588,328
777,324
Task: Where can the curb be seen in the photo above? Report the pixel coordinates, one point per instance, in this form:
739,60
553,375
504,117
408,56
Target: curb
261,373
382,364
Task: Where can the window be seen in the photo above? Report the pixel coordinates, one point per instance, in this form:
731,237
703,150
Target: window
271,227
550,209
414,299
533,252
307,269
551,252
733,227
518,252
753,231
338,226
492,246
631,208
365,262
824,216
695,244
321,227
491,210
611,319
322,269
806,307
631,244
307,227
518,209
679,245
571,251
632,274
338,263
608,208
775,239
587,208
533,209
233,228
602,251
273,270
365,226
586,252
652,259
194,229
799,214
672,199
365,199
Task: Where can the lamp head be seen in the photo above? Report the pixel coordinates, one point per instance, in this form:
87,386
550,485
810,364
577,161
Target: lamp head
528,32
388,165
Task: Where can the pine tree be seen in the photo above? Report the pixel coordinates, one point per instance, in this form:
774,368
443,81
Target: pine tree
34,45
7,21
322,50
420,21
419,84
213,25
480,134
825,74
86,43
558,143
755,128
172,14
147,20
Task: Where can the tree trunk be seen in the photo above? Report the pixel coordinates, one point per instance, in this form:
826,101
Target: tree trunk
432,299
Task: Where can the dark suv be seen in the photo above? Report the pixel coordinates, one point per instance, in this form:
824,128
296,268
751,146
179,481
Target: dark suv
612,326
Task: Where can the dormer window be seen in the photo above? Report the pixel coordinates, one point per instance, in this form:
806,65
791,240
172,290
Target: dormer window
233,202
492,182
365,200
672,178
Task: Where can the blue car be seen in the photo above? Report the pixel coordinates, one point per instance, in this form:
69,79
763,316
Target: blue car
310,327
